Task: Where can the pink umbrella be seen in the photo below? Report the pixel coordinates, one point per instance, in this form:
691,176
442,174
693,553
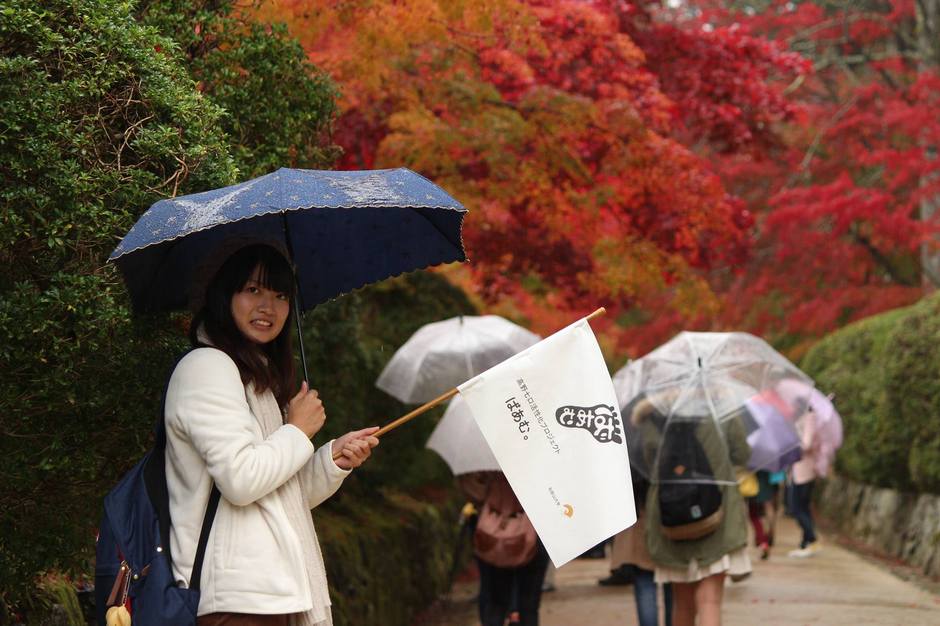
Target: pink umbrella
828,436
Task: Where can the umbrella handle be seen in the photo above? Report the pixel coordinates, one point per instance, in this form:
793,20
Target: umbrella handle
441,398
298,308
298,317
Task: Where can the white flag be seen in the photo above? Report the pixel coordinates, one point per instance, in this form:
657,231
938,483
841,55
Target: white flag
551,417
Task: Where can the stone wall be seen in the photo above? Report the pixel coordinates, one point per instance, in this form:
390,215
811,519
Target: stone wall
902,525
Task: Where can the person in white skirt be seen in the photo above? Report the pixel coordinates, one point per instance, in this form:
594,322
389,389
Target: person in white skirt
697,566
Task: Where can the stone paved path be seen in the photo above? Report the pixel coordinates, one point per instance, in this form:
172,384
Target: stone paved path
836,587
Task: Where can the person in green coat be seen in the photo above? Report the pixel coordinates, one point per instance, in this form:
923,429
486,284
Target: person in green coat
698,563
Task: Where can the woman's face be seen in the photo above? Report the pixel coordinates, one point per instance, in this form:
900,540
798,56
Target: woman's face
259,312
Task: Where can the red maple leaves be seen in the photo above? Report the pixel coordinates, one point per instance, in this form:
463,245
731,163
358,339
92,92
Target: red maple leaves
687,169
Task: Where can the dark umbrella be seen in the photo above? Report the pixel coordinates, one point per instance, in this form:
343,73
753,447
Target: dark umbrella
342,230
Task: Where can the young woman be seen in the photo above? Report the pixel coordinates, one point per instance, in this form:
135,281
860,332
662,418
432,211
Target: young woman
803,476
234,419
697,567
761,510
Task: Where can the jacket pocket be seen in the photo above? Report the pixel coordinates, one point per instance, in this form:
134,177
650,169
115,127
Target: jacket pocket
224,544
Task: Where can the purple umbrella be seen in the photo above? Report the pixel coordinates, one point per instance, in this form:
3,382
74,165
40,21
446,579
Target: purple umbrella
775,444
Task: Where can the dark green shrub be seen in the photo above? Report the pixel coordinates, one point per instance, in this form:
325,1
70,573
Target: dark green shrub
388,536
350,340
278,106
97,122
912,389
387,556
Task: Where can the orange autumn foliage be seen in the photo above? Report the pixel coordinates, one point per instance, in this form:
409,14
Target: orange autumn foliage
549,121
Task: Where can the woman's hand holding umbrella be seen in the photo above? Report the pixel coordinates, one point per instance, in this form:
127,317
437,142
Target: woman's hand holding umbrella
305,411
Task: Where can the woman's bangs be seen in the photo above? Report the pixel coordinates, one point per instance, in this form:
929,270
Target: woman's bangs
274,272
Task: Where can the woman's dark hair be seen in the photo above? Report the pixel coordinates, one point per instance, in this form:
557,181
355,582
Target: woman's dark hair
267,366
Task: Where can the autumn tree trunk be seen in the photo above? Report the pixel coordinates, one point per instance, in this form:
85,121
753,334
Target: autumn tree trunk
928,21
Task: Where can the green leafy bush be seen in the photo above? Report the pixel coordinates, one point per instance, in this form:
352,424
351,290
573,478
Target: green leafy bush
885,373
349,341
366,543
278,106
912,390
388,535
96,123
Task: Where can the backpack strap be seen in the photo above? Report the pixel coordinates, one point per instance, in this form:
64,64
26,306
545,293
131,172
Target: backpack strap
211,508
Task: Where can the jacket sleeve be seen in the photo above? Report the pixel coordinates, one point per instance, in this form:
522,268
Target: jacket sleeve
736,436
321,476
206,401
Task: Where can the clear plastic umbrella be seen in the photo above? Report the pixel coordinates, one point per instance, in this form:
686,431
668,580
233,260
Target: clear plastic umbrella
458,440
710,387
442,355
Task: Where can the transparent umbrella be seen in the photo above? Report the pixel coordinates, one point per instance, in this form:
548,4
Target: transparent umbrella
444,354
702,387
458,440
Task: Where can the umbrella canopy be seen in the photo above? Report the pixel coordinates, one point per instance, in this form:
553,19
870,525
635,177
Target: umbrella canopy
774,441
343,230
458,440
441,355
698,384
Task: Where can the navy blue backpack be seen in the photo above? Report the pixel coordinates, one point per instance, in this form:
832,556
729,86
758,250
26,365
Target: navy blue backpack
132,555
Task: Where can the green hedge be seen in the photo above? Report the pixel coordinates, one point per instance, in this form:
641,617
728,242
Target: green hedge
350,340
95,124
278,107
387,557
885,373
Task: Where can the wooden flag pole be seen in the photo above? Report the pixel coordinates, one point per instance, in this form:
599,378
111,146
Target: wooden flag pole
441,398
596,313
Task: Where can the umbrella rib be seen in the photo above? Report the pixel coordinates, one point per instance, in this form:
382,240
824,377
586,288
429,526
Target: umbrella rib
708,395
458,244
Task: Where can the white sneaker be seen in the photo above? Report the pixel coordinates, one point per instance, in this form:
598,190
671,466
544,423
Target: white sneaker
806,552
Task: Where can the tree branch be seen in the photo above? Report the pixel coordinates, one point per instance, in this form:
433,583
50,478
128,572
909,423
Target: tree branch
879,258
